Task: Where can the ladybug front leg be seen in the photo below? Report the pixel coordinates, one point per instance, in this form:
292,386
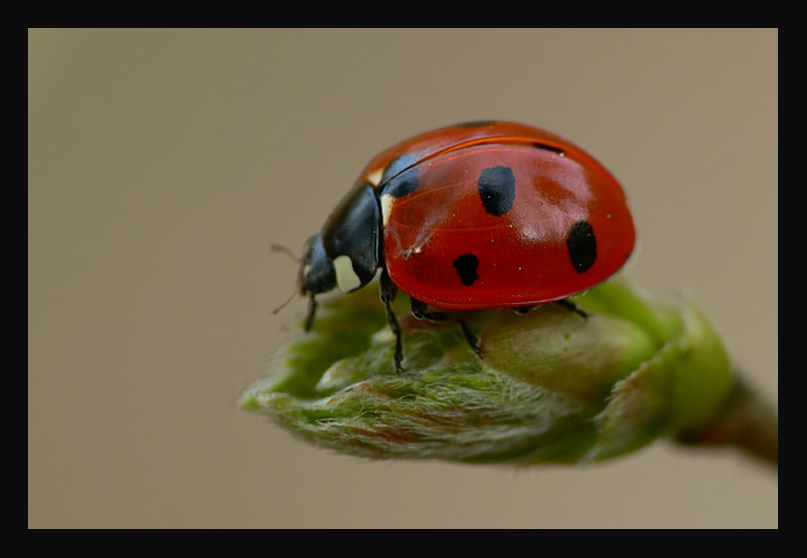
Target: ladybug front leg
388,292
312,310
419,311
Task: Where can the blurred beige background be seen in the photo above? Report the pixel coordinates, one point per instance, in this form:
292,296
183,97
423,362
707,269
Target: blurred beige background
162,164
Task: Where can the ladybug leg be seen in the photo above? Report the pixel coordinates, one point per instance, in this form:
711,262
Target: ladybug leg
419,311
521,310
388,292
574,308
312,309
470,337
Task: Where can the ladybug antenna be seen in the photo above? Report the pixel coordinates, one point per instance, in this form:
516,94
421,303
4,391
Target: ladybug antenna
286,303
274,247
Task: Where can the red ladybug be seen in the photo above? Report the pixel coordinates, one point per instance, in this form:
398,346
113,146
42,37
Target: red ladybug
474,216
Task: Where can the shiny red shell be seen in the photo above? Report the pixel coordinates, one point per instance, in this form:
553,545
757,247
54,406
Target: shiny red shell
563,198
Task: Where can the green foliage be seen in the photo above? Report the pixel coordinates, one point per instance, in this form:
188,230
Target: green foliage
551,386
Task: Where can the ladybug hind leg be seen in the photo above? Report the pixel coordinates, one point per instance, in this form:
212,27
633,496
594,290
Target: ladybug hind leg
420,311
574,308
565,303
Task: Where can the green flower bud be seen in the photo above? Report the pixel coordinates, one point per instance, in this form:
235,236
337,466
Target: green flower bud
552,386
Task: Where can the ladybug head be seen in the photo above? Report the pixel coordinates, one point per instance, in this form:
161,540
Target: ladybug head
346,253
317,274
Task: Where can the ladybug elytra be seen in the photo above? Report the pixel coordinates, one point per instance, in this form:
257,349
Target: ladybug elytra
474,216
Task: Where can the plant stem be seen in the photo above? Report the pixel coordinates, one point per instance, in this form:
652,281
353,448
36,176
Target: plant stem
748,423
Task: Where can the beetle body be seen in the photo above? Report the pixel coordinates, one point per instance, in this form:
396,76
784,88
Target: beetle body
475,216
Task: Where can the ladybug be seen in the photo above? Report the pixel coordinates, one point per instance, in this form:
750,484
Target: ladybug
481,215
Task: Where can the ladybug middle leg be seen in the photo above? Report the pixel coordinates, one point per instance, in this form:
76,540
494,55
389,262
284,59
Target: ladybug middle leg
420,311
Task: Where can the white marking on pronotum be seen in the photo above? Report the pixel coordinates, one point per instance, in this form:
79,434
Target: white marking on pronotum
375,177
346,278
386,207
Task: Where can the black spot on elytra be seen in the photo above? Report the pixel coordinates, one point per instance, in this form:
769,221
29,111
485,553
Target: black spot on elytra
401,185
497,188
582,246
466,268
398,165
